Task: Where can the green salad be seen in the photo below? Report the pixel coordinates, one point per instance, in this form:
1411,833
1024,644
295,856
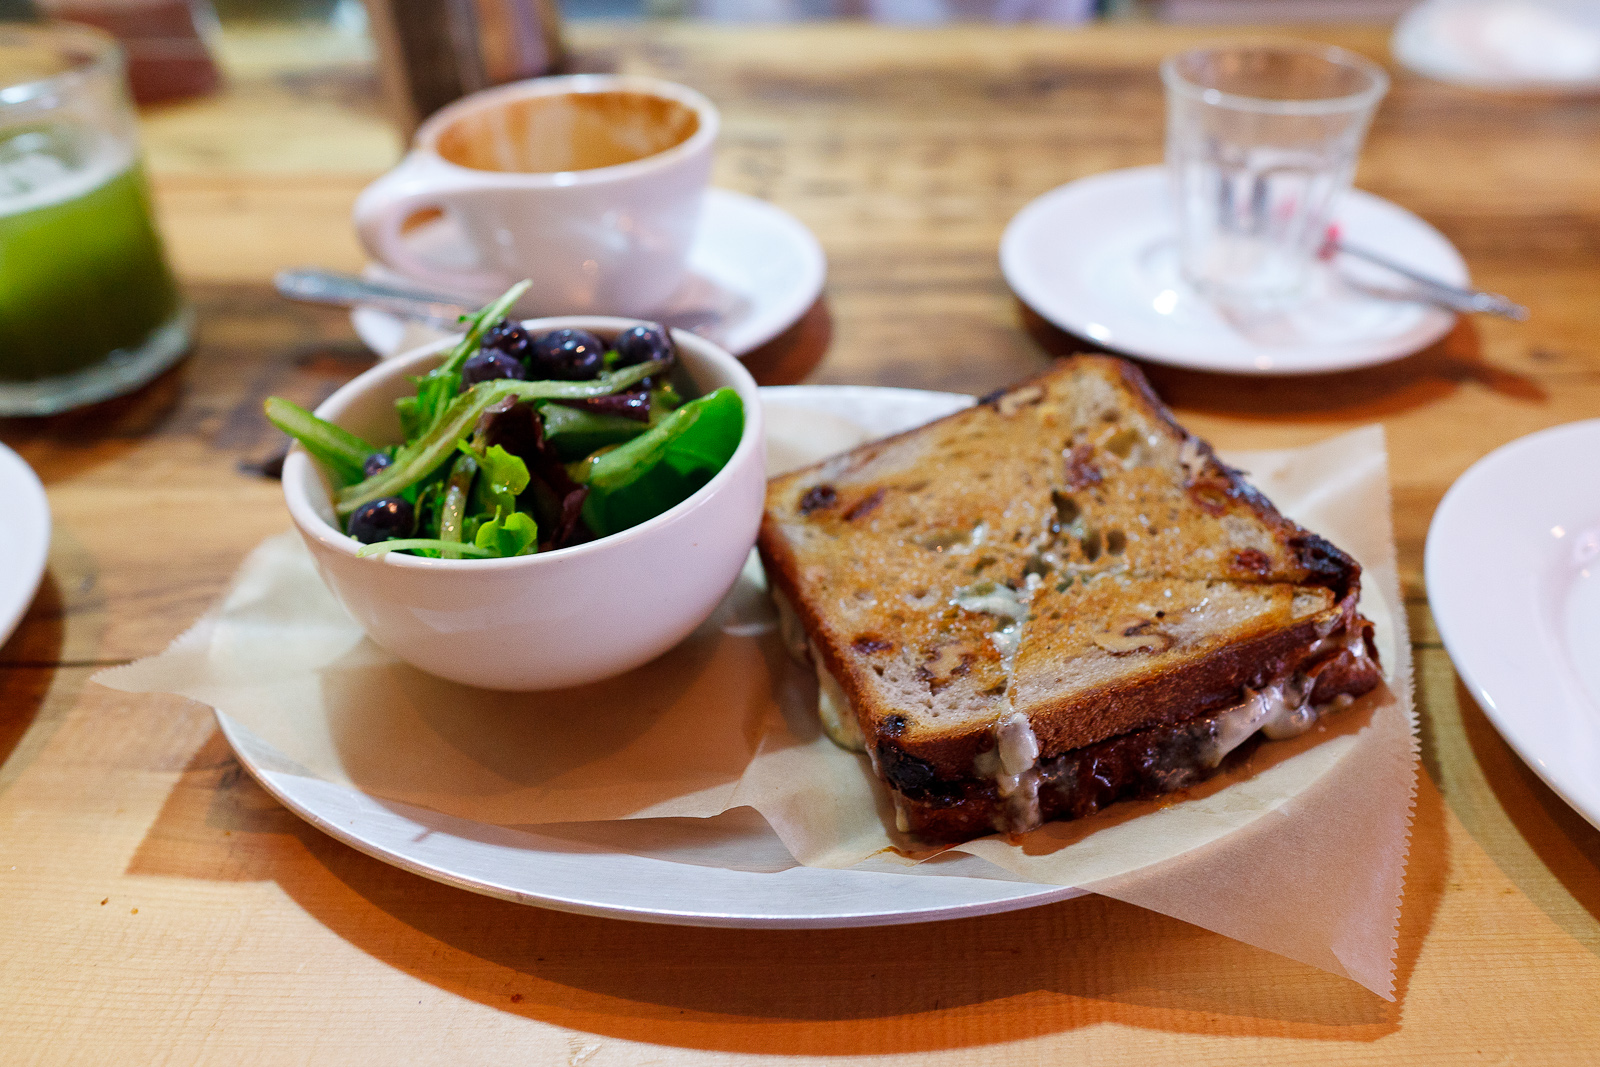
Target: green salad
520,442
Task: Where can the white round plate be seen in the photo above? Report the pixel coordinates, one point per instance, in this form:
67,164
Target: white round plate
754,269
1098,257
533,868
1513,576
1512,45
24,538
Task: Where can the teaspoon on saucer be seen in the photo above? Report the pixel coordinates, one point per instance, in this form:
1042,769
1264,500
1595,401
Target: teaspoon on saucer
317,286
1455,297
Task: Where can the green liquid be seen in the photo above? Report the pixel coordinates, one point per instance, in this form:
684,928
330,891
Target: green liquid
80,279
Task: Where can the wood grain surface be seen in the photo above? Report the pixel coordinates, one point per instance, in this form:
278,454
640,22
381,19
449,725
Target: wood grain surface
157,907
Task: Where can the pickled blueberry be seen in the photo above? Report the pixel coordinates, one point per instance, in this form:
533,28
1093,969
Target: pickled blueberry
375,463
641,344
508,337
381,519
569,355
486,365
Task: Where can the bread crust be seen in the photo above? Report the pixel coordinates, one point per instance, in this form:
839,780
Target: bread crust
932,771
961,809
1193,688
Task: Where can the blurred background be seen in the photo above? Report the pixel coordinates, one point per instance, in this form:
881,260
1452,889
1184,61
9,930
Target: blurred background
351,15
349,12
174,46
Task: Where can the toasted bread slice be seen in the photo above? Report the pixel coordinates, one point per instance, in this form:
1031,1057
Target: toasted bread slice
1058,567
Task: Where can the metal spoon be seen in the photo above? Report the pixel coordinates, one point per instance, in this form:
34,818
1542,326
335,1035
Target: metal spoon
317,286
1454,297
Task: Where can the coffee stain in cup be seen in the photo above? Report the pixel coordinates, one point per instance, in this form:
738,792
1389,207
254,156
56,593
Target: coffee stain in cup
567,132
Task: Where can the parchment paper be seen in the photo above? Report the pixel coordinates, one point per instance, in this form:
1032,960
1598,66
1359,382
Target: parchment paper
1301,851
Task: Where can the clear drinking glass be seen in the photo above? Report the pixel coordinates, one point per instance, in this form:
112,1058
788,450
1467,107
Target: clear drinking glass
88,306
1262,138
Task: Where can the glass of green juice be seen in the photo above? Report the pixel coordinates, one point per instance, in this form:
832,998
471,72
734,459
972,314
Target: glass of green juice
89,308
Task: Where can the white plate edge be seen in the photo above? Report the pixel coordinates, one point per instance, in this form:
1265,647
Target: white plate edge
35,548
1556,774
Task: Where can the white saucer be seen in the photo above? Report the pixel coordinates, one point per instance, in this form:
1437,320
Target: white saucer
1513,576
1516,45
754,270
24,538
1098,258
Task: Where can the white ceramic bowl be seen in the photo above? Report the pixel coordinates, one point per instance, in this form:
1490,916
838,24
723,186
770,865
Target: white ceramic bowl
553,619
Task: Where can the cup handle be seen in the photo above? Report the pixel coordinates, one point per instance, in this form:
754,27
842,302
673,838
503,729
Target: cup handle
419,183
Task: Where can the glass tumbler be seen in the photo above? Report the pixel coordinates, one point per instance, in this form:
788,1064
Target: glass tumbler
1262,138
88,306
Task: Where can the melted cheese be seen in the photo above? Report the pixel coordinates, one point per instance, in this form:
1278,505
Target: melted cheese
1352,639
790,628
1013,763
1191,458
1279,711
833,706
992,598
834,709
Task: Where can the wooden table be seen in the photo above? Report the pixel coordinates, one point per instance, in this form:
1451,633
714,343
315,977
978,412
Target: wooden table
159,907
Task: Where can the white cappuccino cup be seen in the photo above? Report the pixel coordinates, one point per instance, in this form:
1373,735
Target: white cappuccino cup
588,185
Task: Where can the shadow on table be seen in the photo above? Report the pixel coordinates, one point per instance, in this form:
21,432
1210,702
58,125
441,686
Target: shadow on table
794,353
1367,393
249,344
1564,842
75,441
989,979
28,664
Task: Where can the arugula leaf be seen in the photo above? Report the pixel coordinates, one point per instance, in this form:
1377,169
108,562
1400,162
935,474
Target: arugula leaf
337,449
437,388
514,535
413,544
664,398
410,420
574,433
616,467
435,391
477,325
453,509
662,467
710,441
422,456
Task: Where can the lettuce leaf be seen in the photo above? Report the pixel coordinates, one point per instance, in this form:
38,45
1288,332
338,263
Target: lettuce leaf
514,535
